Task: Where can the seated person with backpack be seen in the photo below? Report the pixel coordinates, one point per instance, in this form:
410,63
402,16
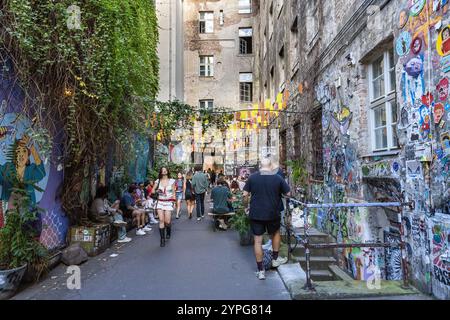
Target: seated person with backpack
221,197
102,211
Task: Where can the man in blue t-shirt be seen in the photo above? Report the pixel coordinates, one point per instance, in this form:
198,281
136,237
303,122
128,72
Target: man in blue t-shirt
266,188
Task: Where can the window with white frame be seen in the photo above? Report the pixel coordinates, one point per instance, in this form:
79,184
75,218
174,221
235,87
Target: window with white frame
245,6
206,22
207,104
206,66
245,40
383,105
246,87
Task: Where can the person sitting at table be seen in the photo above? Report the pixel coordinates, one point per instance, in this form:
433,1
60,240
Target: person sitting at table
221,197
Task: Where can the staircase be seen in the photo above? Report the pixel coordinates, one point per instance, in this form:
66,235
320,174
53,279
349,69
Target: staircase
322,261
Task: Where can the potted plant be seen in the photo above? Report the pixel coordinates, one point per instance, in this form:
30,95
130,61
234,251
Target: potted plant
241,223
19,246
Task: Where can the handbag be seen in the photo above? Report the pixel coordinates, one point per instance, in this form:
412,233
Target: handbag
155,195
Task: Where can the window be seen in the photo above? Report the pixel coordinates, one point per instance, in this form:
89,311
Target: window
246,87
221,18
245,6
317,146
312,24
206,104
206,24
206,66
293,45
283,149
383,106
245,40
297,135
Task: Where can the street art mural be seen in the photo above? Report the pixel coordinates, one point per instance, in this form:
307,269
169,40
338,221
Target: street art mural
424,109
419,171
35,162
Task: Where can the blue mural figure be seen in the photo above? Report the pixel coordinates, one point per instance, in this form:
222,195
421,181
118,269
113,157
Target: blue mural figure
413,82
424,121
22,168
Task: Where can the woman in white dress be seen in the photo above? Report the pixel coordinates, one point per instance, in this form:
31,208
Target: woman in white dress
165,188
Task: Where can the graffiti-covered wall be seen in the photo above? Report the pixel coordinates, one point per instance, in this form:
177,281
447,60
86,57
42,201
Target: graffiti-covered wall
35,161
379,72
423,46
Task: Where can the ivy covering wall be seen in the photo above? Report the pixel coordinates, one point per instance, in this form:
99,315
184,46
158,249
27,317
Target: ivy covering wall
94,82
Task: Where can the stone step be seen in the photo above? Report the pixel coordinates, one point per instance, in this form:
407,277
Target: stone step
317,262
322,275
322,252
340,274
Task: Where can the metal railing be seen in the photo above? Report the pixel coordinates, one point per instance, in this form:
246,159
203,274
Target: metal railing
304,239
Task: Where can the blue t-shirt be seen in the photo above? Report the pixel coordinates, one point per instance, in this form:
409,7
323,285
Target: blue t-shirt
266,191
127,200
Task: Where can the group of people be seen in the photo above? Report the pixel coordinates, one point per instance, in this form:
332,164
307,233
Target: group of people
152,201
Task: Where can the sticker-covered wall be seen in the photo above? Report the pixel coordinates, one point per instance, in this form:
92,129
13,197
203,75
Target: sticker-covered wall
35,161
385,106
422,45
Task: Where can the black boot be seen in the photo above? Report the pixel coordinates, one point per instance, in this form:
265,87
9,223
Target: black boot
169,231
163,238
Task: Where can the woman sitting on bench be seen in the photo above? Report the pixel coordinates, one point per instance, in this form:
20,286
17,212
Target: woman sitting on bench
221,197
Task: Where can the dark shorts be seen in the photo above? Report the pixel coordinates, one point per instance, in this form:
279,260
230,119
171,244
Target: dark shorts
260,227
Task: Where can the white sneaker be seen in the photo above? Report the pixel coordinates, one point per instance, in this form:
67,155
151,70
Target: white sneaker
147,229
279,262
198,219
120,223
153,221
261,275
124,240
140,232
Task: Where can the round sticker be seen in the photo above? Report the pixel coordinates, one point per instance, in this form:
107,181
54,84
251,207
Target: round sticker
403,43
443,42
403,18
417,7
416,45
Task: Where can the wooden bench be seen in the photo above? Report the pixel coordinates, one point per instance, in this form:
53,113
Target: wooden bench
217,216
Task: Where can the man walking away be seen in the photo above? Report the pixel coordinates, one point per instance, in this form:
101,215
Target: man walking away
266,188
200,184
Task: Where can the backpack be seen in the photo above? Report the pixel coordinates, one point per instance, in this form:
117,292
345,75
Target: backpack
188,193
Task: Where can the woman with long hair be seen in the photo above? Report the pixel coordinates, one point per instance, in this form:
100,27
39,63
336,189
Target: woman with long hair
189,195
165,188
179,185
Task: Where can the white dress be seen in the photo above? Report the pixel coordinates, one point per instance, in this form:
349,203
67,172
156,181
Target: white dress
166,197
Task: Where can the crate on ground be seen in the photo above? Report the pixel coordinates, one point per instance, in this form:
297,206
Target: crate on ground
93,237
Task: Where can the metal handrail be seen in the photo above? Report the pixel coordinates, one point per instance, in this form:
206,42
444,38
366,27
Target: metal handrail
307,206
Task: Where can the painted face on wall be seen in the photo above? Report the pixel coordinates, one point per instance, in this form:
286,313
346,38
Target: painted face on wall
438,112
416,45
442,89
414,67
21,156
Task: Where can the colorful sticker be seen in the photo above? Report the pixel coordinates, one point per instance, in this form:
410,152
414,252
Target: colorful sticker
403,43
414,67
417,7
442,89
403,18
416,45
438,112
445,64
443,42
